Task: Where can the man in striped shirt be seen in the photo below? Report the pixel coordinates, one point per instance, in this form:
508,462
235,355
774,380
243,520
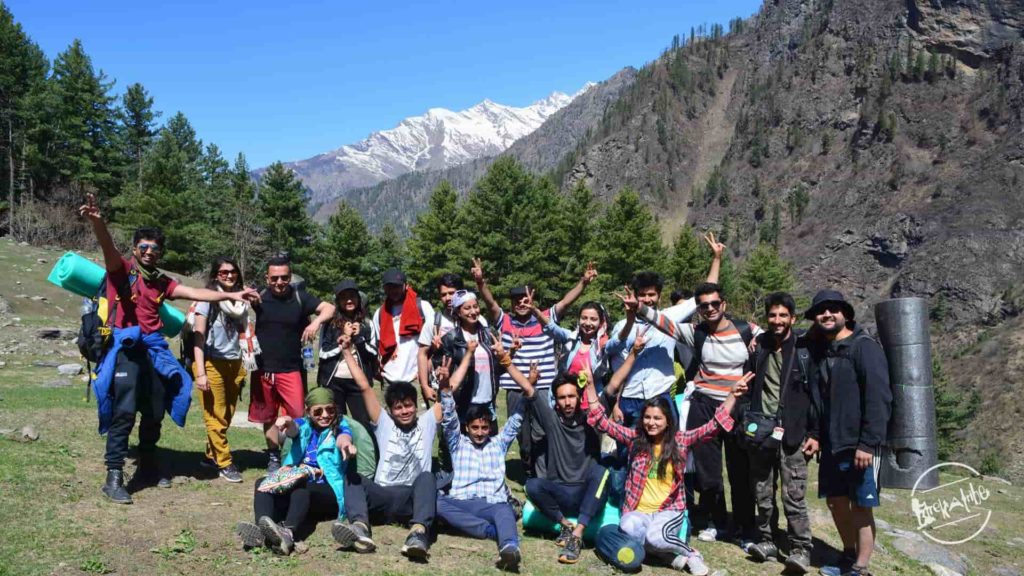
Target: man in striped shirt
524,336
720,352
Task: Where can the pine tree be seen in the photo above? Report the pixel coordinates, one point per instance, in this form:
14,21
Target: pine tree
763,272
283,212
247,232
433,247
955,408
138,127
344,250
689,260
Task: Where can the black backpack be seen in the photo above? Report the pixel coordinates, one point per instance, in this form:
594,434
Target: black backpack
700,334
187,355
94,335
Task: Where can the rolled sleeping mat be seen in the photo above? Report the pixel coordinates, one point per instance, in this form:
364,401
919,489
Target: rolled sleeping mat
618,549
83,277
534,520
912,444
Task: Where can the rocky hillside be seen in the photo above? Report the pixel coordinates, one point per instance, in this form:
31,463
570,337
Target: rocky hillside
399,200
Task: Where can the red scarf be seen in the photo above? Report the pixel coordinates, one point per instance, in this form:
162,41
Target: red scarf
410,323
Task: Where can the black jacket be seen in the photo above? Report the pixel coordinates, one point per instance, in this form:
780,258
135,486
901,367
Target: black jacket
853,383
799,414
454,345
330,355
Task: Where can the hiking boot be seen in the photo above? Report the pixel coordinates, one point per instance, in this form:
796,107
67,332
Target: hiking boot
149,472
509,557
417,546
251,535
273,461
798,562
857,571
570,553
745,544
353,535
231,474
279,538
563,536
846,561
114,488
708,534
764,551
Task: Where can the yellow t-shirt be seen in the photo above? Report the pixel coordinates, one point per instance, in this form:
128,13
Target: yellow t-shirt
656,490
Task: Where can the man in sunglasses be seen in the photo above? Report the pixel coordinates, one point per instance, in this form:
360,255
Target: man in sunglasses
138,372
856,403
720,352
282,325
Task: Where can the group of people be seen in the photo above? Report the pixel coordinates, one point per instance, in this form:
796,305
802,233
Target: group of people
634,415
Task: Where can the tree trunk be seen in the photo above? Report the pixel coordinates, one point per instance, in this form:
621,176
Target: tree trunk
10,177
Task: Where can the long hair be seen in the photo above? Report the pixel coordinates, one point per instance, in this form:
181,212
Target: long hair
211,280
669,449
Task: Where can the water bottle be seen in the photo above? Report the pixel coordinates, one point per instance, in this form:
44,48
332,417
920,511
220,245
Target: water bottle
307,358
87,306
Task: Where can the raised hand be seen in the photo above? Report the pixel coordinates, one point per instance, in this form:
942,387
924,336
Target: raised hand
477,271
534,373
529,297
589,274
90,209
742,385
629,301
443,372
352,329
640,342
282,423
471,346
517,342
345,341
716,247
498,348
250,295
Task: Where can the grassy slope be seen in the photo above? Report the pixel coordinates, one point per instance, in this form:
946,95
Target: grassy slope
56,521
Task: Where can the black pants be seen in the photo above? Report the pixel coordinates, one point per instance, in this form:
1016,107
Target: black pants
299,509
556,500
367,502
708,459
532,442
137,388
349,400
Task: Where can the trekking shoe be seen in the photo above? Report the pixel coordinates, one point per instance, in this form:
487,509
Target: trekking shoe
517,506
745,545
353,535
798,562
509,557
279,538
301,547
857,571
149,472
563,536
417,546
273,462
764,551
570,553
251,535
208,463
231,474
846,561
708,535
114,488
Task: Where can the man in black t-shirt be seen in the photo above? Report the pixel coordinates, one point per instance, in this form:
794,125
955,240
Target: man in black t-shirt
282,325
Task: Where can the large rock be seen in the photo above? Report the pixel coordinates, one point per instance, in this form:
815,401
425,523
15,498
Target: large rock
940,570
929,553
69,369
54,334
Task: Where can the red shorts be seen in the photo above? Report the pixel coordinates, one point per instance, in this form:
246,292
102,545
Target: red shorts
270,392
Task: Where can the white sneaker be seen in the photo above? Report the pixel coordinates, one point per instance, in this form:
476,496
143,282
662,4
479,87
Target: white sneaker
696,565
708,535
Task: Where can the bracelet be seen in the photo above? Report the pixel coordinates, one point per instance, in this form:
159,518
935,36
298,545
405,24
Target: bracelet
505,360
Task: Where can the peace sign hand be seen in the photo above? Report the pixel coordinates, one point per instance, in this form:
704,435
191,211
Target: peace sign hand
716,247
629,301
477,271
589,274
443,372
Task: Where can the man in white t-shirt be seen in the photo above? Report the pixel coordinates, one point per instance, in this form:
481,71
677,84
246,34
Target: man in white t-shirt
397,326
441,323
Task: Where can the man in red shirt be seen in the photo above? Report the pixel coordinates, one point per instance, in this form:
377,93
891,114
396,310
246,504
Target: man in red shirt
138,372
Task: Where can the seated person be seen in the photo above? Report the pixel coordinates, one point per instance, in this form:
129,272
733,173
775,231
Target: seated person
574,482
322,441
403,488
655,501
477,503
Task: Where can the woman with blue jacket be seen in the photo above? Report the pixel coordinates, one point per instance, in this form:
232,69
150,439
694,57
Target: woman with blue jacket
321,441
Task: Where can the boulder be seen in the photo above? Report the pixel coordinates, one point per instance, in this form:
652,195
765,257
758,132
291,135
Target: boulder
58,383
929,553
28,434
69,369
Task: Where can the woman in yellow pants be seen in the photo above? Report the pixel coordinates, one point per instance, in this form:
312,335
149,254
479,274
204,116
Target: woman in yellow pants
222,349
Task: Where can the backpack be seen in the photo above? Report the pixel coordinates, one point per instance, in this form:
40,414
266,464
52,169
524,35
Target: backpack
700,334
187,355
94,334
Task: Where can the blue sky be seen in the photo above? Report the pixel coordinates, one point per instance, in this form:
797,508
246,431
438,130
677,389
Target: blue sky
287,80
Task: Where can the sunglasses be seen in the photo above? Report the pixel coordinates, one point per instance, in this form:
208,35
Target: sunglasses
227,272
716,304
282,278
323,411
830,308
147,247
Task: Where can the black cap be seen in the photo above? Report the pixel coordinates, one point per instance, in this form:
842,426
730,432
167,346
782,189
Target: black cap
826,296
517,291
393,276
346,284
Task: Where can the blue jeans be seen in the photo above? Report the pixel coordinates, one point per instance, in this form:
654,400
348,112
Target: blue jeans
556,500
479,518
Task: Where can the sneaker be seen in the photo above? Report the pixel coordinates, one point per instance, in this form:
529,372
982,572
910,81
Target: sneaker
279,538
208,463
570,553
353,535
798,562
846,561
273,462
708,535
251,535
745,545
563,536
114,488
417,546
695,564
509,557
857,571
231,474
763,551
